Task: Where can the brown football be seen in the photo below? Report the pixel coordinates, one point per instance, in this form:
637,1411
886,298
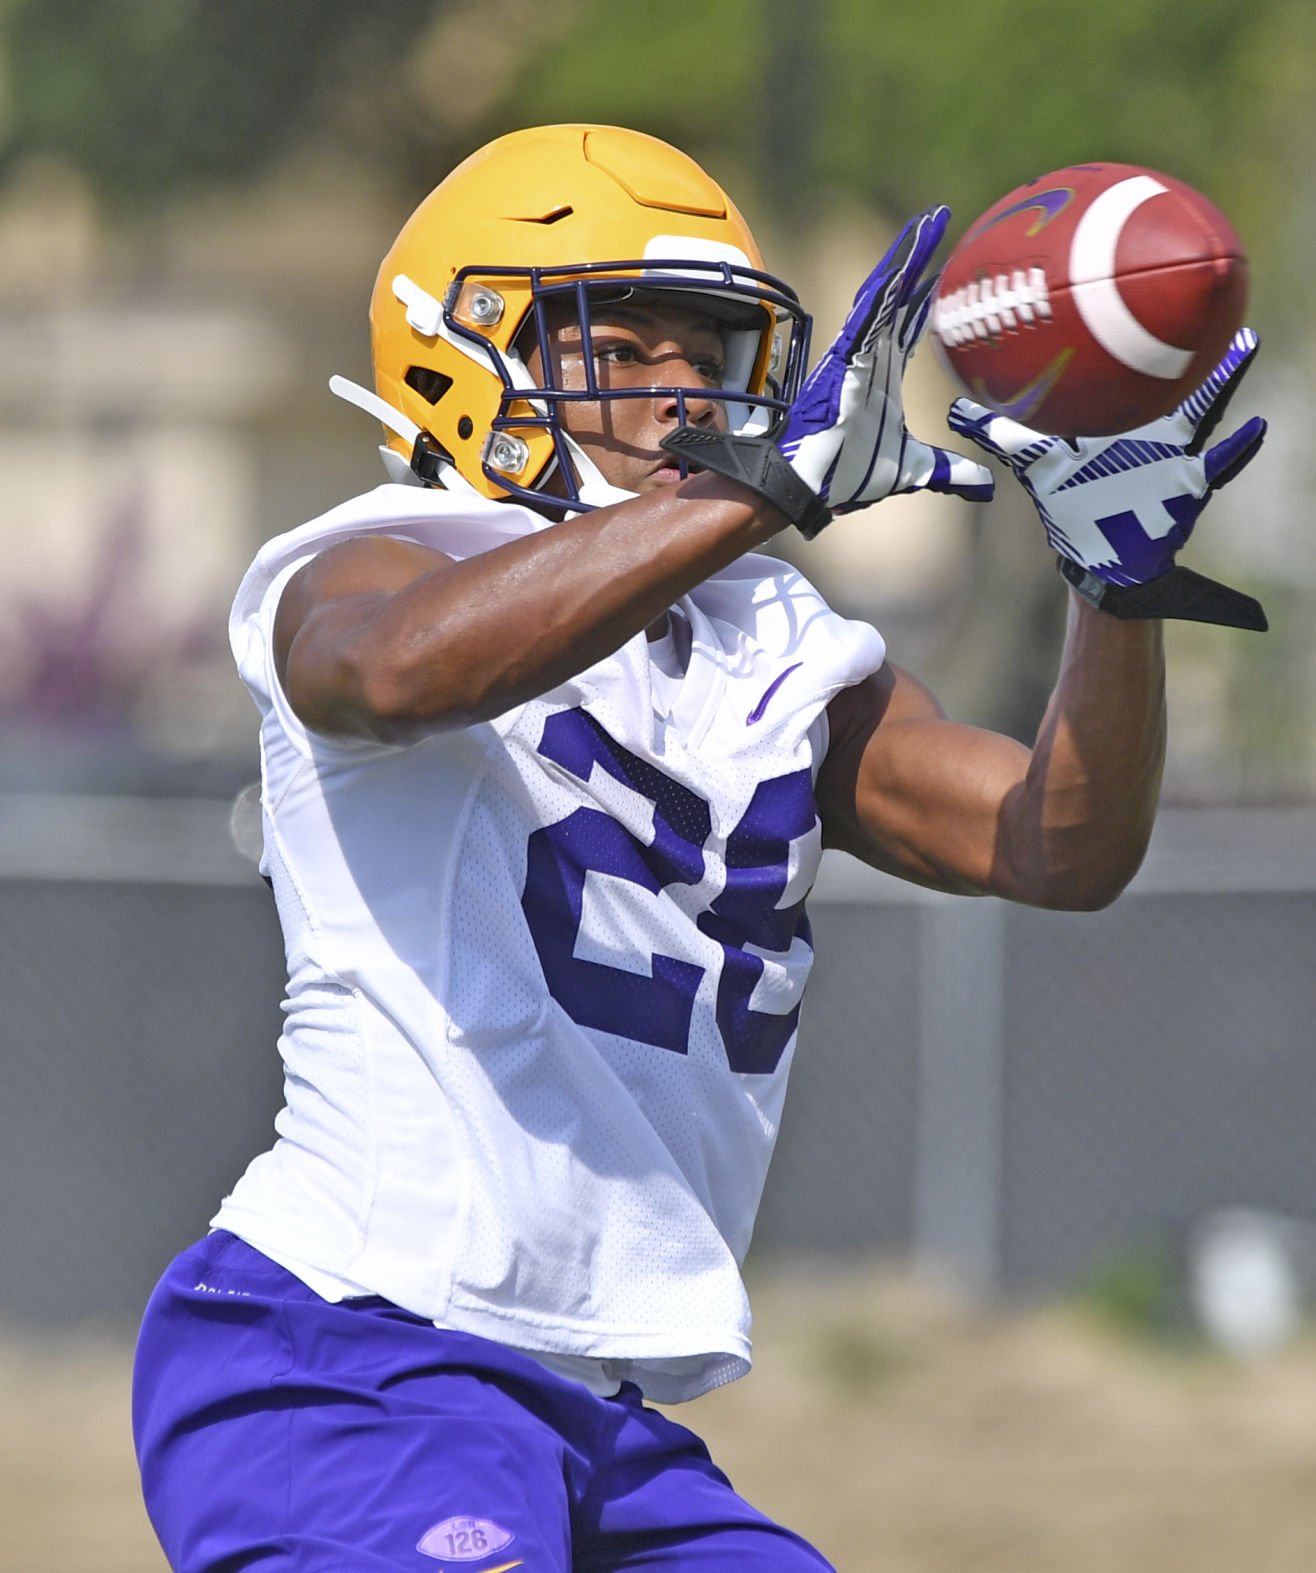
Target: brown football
1091,300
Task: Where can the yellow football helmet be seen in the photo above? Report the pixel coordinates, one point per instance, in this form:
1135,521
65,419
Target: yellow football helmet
577,211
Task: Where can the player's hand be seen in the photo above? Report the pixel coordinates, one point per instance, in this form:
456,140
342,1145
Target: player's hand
845,434
1122,507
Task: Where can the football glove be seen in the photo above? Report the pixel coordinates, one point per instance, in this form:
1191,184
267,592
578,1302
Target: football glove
1118,509
844,443
845,435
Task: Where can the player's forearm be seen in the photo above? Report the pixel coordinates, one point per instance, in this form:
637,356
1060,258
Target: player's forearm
1076,830
489,633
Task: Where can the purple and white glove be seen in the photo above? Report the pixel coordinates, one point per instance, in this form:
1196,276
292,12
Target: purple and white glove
1118,509
845,435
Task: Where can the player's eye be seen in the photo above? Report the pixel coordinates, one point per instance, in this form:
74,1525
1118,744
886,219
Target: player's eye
615,354
710,369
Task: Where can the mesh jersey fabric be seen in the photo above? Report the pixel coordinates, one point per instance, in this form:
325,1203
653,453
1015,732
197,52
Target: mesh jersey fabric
545,972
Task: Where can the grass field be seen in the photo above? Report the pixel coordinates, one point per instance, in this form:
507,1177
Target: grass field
903,1434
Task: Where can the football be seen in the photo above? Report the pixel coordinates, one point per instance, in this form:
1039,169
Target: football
1091,300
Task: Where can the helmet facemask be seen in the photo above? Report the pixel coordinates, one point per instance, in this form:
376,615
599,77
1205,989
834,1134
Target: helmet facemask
530,453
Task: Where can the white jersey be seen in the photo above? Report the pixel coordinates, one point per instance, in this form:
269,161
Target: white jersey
545,972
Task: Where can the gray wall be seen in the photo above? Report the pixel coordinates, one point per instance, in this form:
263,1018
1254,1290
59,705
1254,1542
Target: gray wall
1011,1096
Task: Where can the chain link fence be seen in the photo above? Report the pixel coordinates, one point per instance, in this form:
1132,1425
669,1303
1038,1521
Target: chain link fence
1011,1097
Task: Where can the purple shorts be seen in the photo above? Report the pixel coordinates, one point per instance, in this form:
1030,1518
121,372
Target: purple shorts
277,1431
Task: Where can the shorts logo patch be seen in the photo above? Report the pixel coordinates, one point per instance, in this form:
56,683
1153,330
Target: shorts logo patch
466,1539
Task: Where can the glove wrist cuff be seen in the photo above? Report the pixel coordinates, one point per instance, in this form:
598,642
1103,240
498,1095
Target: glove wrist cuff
758,463
1180,594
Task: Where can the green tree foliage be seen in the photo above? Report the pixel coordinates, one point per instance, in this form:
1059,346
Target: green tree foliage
975,98
690,73
152,97
892,104
897,105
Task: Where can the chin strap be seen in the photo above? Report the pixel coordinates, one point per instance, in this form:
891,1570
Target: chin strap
430,464
1180,594
372,404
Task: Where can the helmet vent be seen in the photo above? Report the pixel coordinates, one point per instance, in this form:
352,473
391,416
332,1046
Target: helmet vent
430,384
555,217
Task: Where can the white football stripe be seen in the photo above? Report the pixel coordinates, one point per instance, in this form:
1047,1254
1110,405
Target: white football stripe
1096,294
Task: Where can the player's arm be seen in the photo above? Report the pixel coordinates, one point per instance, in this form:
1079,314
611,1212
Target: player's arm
387,640
1063,824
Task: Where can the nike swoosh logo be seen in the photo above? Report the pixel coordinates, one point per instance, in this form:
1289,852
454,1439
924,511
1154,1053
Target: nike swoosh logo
1049,205
1020,406
756,714
503,1567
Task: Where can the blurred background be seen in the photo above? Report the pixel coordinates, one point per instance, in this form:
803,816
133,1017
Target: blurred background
1037,1253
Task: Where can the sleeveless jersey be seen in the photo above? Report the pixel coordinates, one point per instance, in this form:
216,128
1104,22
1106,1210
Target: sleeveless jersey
545,972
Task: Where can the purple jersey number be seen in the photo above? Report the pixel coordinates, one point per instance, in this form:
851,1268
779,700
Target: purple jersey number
747,912
744,919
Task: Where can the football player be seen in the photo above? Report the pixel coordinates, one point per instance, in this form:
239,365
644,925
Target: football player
550,750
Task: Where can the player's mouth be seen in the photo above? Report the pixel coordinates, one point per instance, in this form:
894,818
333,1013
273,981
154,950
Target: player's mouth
665,473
